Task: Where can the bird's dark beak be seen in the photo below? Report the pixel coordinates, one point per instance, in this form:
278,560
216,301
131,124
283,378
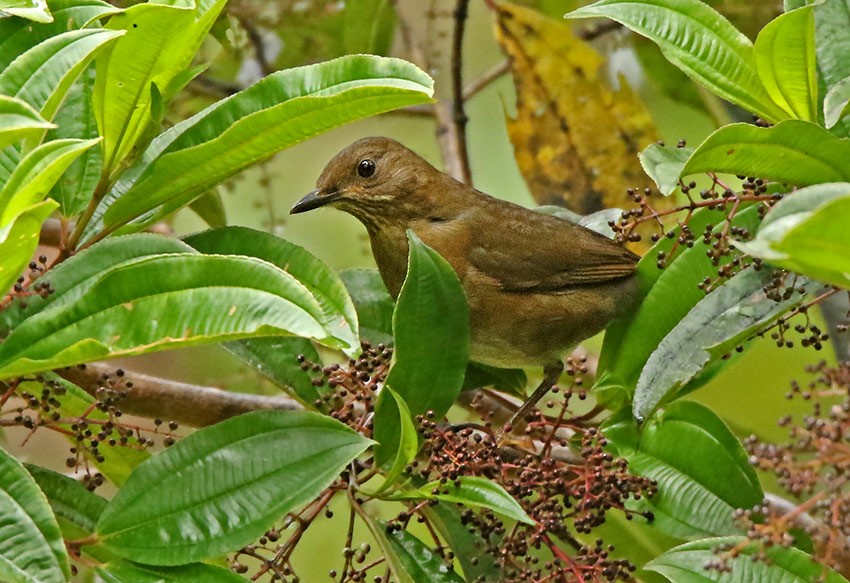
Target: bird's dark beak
313,200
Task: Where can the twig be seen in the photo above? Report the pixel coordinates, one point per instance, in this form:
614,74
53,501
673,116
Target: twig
485,79
459,118
185,403
414,111
257,43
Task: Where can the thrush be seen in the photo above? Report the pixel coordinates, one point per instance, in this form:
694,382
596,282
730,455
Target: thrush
536,284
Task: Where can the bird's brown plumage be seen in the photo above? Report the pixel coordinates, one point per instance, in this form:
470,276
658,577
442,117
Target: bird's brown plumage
536,284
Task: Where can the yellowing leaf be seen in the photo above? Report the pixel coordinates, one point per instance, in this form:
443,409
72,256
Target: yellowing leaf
576,141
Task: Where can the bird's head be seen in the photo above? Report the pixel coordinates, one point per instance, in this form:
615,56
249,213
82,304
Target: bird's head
374,179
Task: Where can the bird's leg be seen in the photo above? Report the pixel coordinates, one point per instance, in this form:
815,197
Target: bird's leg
551,374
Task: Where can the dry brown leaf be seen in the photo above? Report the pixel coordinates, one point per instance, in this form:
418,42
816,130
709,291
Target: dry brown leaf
576,141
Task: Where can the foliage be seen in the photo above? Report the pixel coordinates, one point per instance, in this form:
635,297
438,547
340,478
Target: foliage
98,143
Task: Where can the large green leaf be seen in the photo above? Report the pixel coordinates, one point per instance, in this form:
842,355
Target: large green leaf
807,233
700,485
193,299
431,325
338,310
18,120
71,502
43,75
698,40
129,572
73,278
832,44
36,174
160,43
18,240
796,152
668,295
283,109
75,119
785,61
223,486
31,546
687,564
730,314
17,36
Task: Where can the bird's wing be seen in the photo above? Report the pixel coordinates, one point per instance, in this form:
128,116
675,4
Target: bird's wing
527,251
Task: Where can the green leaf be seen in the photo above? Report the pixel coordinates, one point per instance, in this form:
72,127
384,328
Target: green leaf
368,26
474,493
128,572
159,44
409,559
808,235
785,61
43,75
70,500
276,358
668,295
728,315
664,165
836,104
35,10
197,299
832,43
31,546
279,111
210,208
431,325
73,278
18,120
699,486
373,303
794,151
699,41
391,409
223,486
468,546
687,564
506,380
18,241
17,36
338,313
76,120
36,174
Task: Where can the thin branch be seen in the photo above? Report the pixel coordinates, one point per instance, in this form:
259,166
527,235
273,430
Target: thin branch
185,403
256,40
414,111
459,118
486,79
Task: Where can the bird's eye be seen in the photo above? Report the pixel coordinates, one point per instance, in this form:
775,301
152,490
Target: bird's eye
366,168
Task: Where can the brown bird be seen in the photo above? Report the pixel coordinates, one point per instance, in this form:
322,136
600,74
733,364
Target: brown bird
537,285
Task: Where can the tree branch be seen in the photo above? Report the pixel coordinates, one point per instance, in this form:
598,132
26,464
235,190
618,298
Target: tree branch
459,118
187,404
485,79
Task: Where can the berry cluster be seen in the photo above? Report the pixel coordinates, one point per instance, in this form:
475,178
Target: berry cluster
812,467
